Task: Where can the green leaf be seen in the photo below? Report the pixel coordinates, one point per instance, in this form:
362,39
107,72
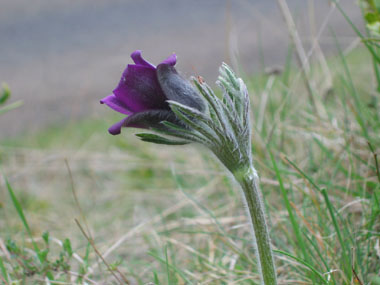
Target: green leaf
45,237
156,280
371,17
152,138
67,247
196,120
42,255
180,132
5,94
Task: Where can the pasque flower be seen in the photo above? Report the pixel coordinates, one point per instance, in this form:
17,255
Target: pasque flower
144,90
158,98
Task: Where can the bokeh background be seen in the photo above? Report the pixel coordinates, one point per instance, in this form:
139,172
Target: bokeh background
61,56
169,214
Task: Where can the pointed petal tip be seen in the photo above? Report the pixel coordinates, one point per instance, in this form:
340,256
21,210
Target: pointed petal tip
139,60
115,129
114,132
171,60
136,54
114,103
104,100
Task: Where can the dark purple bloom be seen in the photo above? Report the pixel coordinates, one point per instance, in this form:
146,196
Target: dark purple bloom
143,91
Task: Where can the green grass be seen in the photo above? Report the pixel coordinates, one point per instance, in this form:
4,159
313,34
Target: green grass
172,216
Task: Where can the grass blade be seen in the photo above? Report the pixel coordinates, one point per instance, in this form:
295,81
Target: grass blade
20,212
357,31
292,218
337,230
3,270
170,267
352,90
332,215
307,265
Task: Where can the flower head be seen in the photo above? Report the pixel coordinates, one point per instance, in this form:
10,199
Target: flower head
159,98
143,92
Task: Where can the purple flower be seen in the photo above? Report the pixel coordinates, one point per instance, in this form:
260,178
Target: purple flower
143,92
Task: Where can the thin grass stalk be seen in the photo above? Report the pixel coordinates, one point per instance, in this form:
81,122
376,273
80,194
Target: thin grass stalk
300,52
4,271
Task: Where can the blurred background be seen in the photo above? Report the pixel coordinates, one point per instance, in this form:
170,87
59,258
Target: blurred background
146,206
61,57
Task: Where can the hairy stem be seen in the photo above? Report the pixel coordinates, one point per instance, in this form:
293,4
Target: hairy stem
249,182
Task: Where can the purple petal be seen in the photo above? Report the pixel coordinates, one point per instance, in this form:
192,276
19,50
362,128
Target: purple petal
115,129
114,103
139,89
171,60
138,59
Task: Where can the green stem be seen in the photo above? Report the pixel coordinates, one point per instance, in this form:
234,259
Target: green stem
249,182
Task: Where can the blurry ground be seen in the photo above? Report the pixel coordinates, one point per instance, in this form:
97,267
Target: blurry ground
61,57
